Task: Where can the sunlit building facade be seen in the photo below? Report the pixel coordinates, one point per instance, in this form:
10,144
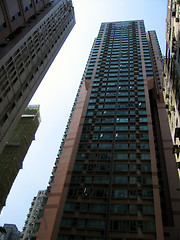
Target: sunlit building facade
171,85
31,34
115,174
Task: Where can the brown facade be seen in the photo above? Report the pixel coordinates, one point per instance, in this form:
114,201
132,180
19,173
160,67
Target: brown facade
99,188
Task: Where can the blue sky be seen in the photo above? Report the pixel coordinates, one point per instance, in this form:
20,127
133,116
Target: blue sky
58,89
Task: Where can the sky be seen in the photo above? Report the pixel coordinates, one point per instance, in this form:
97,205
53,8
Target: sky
58,89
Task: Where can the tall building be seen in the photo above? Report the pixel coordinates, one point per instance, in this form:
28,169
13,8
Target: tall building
35,212
14,152
115,174
31,34
171,84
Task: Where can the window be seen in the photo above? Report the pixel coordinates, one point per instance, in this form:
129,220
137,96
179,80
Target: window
121,146
96,128
132,194
80,156
106,136
133,226
121,168
66,223
121,128
121,156
88,179
81,223
148,210
120,194
108,120
132,168
132,180
144,146
133,209
100,193
75,179
132,146
107,128
91,107
95,224
147,194
144,136
89,113
143,128
149,227
145,168
119,209
122,136
83,208
146,180
97,208
105,146
102,168
69,207
118,225
120,180
101,179
122,120
145,156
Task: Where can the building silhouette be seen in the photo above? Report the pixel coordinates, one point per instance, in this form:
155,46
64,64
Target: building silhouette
31,34
115,174
15,150
171,85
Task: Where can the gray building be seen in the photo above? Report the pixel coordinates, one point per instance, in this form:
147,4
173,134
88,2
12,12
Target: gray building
31,34
12,232
35,212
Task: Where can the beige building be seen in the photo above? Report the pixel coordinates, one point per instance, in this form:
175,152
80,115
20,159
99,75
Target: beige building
31,34
171,84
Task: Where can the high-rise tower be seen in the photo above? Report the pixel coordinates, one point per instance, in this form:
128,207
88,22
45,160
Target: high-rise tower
31,34
15,150
171,85
115,174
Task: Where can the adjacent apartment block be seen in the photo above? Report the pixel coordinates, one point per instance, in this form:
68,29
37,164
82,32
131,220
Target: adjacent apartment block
35,212
172,74
15,150
12,232
31,34
115,175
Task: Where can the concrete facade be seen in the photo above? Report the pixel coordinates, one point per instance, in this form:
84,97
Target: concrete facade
35,212
171,84
33,34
